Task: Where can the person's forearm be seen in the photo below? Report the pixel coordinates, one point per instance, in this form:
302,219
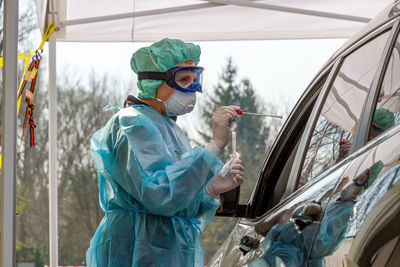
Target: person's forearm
213,148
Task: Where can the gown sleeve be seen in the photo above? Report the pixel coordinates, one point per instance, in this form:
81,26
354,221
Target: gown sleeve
132,151
207,210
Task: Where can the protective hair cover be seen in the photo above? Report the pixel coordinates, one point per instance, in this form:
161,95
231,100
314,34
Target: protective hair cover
161,56
384,118
151,184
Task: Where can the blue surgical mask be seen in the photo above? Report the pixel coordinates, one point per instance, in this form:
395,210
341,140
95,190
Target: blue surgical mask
179,103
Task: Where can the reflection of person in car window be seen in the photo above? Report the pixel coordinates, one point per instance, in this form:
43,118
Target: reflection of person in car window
290,241
383,120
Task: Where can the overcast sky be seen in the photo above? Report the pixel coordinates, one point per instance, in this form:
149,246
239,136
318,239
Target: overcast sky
277,69
284,67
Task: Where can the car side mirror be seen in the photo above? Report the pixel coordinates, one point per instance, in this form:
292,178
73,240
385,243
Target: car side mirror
230,206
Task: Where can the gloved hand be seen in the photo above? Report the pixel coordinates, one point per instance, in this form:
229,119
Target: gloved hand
221,123
230,177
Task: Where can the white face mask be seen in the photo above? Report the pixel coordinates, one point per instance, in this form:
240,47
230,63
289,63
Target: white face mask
179,103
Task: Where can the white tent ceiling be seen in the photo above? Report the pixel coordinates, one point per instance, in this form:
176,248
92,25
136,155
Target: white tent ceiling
150,20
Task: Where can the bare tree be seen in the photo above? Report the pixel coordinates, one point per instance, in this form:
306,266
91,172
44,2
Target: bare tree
27,23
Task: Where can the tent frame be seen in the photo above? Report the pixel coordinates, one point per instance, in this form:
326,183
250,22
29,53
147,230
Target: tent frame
215,3
53,178
9,138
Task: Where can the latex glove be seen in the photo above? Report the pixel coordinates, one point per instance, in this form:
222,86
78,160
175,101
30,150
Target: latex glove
221,123
230,177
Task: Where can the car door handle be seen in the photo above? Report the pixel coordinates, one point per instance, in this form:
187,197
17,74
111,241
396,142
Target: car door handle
248,243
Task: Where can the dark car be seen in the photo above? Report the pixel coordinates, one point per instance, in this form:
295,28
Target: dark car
345,126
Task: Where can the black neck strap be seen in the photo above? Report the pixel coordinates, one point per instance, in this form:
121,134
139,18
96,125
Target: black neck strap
151,75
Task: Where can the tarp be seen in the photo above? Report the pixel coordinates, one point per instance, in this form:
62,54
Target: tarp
150,20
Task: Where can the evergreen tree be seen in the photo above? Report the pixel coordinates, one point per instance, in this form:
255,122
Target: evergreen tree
252,133
225,93
253,136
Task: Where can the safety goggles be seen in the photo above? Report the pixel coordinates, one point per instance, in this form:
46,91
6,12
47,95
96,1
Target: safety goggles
185,79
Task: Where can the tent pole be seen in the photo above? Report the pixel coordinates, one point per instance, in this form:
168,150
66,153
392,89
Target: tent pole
53,203
137,14
215,3
301,11
9,131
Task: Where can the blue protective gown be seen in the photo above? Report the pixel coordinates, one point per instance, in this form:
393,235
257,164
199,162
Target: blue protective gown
151,184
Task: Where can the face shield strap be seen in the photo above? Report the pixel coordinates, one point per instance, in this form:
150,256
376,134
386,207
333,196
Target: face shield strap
152,75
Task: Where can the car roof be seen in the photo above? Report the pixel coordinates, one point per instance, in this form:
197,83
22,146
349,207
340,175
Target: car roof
382,18
385,16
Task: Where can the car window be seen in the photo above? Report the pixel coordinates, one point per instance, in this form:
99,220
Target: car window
387,112
274,177
332,136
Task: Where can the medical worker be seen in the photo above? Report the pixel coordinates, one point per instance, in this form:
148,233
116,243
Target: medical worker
383,120
159,192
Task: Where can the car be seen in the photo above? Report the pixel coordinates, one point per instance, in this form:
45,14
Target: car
345,125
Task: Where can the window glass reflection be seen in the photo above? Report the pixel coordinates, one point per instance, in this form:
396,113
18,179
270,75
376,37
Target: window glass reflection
368,199
387,113
292,228
332,135
371,183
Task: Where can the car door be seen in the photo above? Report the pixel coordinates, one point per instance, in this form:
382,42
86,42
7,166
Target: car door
284,167
372,236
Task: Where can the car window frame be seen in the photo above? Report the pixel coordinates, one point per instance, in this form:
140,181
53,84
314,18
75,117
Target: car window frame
362,131
310,95
307,134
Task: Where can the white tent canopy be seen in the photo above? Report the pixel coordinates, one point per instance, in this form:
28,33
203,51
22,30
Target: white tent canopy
151,20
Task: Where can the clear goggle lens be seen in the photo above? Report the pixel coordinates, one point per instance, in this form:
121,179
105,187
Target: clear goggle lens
185,79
